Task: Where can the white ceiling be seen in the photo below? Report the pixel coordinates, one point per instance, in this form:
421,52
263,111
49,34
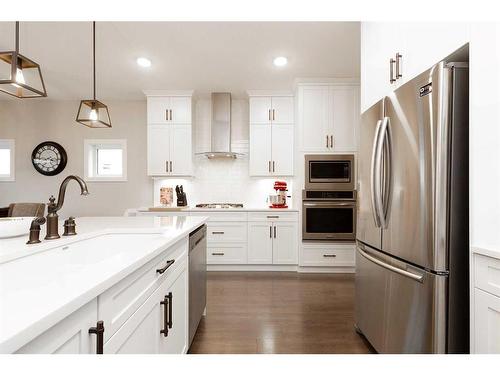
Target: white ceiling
204,56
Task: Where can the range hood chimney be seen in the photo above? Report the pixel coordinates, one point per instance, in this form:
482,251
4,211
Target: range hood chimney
220,128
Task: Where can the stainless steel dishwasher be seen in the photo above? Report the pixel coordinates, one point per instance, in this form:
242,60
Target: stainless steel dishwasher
197,278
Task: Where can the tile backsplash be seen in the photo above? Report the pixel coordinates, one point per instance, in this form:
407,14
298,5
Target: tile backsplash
223,181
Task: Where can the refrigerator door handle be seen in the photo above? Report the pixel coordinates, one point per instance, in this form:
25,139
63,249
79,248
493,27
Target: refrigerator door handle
390,267
379,204
373,178
386,172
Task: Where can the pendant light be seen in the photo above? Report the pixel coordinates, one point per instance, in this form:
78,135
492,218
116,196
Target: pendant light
92,112
19,76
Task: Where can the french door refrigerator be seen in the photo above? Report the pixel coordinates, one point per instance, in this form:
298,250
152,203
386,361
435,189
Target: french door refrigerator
412,256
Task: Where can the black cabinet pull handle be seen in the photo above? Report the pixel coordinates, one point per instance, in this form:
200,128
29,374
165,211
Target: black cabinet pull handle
99,331
165,304
169,263
329,255
217,253
275,232
217,232
170,304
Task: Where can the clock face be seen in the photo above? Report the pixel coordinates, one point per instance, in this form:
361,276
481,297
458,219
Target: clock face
49,158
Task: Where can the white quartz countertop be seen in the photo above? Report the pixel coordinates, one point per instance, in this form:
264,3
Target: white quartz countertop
199,209
42,284
487,252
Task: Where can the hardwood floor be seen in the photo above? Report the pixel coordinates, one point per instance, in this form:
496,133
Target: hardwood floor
279,312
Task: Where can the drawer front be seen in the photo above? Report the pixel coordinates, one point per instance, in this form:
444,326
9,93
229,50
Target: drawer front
328,256
486,323
227,254
273,216
221,216
120,301
487,274
226,232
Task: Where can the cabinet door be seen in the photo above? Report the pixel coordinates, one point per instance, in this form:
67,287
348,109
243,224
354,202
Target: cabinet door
140,334
181,109
260,110
180,150
282,107
314,113
157,110
285,245
260,243
176,341
486,322
282,150
260,150
158,149
379,42
426,43
345,115
70,336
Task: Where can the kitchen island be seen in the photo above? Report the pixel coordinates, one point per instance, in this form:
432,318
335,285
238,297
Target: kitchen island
130,273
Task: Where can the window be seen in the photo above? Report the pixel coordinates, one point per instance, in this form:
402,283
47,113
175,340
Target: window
7,160
105,159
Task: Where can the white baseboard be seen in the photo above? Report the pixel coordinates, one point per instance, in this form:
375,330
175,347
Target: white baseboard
252,267
277,267
326,269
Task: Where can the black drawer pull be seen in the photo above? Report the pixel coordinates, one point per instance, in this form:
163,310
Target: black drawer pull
99,331
273,217
329,255
217,253
217,232
166,308
170,307
169,263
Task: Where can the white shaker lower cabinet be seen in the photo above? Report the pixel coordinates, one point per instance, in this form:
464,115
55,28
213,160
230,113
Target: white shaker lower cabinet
486,297
273,242
487,322
144,313
69,336
159,325
260,243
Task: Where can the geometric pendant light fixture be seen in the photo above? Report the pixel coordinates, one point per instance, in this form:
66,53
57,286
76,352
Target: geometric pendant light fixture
92,112
19,76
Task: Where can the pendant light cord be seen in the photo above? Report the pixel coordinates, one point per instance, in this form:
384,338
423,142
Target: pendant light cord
93,52
17,37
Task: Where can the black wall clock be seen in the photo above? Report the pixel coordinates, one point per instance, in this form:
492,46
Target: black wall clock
49,158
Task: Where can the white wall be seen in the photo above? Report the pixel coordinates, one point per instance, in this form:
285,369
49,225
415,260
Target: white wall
31,121
485,135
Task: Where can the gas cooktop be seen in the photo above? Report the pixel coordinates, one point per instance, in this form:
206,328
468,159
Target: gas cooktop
219,205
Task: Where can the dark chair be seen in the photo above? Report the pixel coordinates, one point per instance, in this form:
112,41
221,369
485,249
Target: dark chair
26,209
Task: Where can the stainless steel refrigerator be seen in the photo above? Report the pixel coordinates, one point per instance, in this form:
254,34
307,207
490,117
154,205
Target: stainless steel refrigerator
412,257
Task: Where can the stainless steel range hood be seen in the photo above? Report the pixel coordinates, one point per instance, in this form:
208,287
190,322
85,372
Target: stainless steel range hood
220,128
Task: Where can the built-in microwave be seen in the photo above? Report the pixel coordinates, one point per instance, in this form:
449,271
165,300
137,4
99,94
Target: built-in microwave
329,172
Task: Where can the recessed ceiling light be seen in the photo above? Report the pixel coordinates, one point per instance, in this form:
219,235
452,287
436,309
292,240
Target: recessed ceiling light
280,61
144,62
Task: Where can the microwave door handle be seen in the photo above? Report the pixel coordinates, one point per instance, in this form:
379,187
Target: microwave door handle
378,172
329,204
373,176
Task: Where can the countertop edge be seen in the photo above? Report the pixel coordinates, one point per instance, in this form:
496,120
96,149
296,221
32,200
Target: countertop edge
28,333
487,252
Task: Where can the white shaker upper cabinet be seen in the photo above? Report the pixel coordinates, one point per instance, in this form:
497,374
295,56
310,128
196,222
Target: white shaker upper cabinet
271,134
271,109
420,45
169,133
328,117
169,110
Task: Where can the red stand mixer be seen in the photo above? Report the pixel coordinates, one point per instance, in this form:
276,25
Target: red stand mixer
279,200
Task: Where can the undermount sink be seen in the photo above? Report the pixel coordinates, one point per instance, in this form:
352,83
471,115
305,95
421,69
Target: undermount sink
82,259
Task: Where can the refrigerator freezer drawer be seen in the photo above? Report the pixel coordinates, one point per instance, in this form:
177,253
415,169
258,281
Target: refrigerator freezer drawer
399,308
